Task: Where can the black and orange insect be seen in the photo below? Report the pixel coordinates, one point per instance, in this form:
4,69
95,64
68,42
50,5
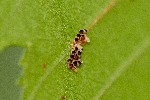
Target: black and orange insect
77,48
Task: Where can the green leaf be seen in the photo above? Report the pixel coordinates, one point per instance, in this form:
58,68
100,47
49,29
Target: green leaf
115,61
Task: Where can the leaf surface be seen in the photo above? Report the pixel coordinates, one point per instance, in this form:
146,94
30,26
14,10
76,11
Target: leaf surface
119,44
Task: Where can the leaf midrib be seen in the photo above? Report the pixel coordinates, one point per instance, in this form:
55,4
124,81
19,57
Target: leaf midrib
63,55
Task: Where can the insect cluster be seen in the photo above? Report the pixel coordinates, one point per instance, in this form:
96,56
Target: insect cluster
75,57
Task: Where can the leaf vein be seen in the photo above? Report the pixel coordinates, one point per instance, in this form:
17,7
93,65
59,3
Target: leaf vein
140,49
50,69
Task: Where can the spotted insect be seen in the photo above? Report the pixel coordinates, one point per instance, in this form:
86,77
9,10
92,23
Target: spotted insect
77,48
